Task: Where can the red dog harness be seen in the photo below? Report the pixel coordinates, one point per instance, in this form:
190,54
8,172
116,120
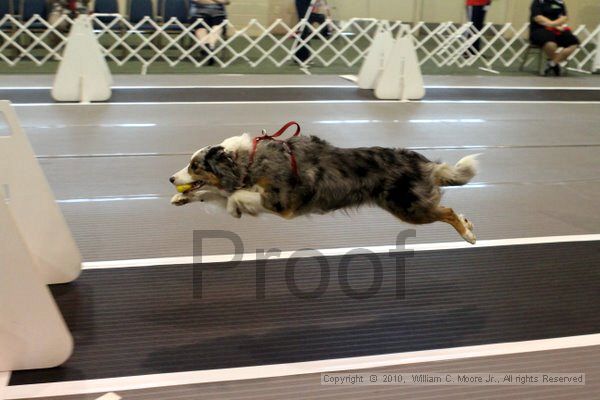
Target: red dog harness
286,146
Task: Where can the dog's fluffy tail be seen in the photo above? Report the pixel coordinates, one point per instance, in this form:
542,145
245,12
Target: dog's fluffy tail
457,175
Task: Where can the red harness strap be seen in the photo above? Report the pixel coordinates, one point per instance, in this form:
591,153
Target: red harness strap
557,31
286,147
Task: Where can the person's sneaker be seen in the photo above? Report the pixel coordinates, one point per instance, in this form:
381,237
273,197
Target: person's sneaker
211,57
552,69
468,54
556,70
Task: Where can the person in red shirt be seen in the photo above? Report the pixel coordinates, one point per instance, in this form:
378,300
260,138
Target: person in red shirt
476,10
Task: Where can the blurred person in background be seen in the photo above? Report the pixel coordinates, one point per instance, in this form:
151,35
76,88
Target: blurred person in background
550,31
316,17
71,8
59,8
213,13
476,10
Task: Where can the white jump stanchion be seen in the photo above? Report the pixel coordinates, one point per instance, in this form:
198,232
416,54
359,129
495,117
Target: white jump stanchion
33,206
83,74
596,66
376,58
401,78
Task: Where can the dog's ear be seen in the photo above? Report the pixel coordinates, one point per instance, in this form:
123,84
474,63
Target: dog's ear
218,162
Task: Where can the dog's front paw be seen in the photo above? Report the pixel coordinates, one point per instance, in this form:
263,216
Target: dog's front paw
235,212
233,209
250,209
179,199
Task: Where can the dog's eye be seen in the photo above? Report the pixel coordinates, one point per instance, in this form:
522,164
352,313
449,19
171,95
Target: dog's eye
194,165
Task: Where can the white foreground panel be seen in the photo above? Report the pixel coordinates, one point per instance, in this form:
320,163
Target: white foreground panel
596,66
83,74
33,207
33,333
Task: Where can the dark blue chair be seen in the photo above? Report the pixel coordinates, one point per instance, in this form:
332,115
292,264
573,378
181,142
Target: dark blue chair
175,8
26,9
106,7
16,7
159,9
29,8
138,10
6,8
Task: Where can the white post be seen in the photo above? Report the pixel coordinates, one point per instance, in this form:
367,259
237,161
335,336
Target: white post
83,74
34,208
402,81
596,66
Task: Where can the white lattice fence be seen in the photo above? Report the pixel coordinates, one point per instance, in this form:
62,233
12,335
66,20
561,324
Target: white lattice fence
583,59
345,43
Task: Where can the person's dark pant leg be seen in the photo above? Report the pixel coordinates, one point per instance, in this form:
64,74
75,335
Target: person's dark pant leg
302,7
302,53
476,15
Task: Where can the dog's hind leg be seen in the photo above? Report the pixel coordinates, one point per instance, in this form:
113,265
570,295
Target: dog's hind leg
463,226
417,202
419,216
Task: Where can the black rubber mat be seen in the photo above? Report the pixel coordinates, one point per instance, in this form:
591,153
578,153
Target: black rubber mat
307,386
136,321
512,94
160,95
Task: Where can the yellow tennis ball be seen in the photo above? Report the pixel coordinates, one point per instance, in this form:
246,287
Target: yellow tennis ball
183,188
